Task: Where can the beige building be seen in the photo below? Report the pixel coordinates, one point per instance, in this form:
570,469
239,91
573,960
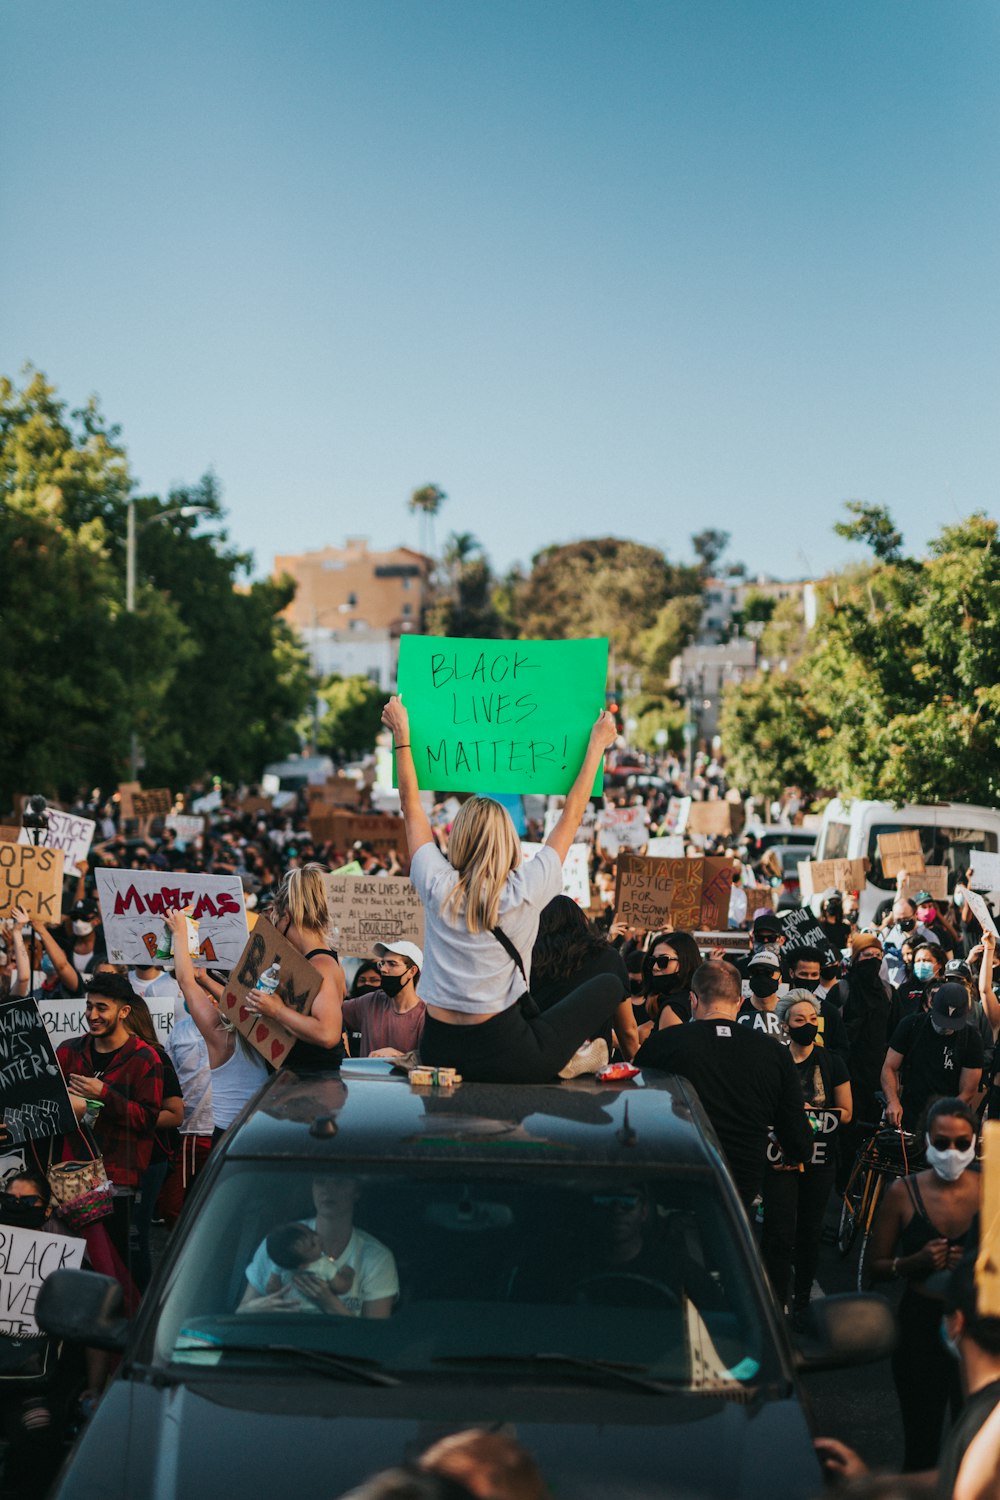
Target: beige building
351,605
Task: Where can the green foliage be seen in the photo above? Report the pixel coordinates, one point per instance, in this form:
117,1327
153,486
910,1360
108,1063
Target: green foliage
674,627
205,671
872,525
352,717
603,586
708,547
897,695
651,713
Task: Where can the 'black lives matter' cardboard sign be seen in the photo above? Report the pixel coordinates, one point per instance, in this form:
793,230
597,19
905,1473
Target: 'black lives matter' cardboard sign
34,1102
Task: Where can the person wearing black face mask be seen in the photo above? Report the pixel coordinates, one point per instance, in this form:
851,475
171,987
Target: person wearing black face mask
670,961
795,1201
806,974
391,1018
764,978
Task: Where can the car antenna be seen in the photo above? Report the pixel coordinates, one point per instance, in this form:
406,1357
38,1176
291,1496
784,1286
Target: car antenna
627,1135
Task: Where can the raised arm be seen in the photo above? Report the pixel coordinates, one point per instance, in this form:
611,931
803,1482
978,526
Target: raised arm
601,736
22,984
204,1013
990,1003
68,977
418,829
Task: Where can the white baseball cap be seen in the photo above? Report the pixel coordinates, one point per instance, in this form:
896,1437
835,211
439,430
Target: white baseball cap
406,950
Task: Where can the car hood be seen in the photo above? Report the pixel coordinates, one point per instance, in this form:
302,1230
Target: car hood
320,1438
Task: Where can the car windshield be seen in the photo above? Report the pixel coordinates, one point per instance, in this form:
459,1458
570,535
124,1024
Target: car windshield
425,1272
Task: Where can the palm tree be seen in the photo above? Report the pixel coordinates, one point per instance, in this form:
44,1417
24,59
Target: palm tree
427,501
460,547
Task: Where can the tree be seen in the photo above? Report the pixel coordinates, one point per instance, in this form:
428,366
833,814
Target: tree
601,587
653,712
708,547
352,717
766,729
674,628
872,525
426,502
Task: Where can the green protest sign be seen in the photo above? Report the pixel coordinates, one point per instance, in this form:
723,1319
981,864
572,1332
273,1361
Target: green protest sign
501,716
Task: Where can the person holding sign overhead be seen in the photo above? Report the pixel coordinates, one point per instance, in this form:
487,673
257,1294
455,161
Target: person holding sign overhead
482,907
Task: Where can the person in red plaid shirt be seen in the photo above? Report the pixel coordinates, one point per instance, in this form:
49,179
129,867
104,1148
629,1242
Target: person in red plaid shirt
125,1076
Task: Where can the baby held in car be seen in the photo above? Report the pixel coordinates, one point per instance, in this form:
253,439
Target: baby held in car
307,1280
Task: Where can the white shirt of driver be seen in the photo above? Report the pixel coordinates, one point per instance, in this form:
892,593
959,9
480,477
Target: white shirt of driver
373,1264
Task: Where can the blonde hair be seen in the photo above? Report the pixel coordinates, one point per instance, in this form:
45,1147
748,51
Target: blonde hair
302,897
484,847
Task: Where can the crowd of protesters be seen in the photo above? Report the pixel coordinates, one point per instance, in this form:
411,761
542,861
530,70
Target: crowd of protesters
796,1052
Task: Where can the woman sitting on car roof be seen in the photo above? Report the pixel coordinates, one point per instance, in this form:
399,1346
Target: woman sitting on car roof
481,910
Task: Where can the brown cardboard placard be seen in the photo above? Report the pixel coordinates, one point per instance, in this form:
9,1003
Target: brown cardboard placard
932,878
126,791
10,833
710,819
900,851
335,791
759,898
342,829
31,877
818,875
298,986
988,1258
699,898
366,910
255,806
155,803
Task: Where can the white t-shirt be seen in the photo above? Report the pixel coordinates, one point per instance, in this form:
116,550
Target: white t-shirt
472,971
374,1268
163,987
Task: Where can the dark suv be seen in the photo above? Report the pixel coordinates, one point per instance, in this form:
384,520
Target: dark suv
569,1259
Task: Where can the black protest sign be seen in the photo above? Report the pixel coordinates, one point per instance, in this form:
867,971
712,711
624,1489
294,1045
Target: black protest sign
802,930
32,1090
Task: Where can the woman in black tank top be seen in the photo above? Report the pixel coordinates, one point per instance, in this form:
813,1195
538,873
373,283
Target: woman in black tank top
924,1224
300,914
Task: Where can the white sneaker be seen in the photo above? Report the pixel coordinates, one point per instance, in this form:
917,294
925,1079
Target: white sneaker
590,1058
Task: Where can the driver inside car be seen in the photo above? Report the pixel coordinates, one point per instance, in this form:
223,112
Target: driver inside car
329,1265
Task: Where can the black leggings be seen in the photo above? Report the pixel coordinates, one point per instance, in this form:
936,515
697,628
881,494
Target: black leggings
517,1047
794,1205
926,1379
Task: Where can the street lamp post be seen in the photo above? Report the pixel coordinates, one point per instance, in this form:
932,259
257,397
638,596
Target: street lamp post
131,537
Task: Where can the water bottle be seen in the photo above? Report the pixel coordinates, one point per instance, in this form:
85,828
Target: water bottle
268,981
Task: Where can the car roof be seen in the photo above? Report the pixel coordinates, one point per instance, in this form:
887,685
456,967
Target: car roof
653,1118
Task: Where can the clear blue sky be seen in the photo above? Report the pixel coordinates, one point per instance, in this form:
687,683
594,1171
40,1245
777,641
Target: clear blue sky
591,267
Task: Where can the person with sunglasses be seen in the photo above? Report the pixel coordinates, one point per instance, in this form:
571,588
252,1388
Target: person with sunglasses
670,961
925,1222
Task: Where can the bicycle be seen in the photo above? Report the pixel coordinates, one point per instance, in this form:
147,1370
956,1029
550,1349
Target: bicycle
887,1154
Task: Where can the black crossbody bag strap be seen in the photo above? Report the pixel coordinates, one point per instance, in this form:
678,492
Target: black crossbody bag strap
527,1004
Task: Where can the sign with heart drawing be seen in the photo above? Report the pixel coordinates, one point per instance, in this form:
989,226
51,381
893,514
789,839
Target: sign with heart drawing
270,961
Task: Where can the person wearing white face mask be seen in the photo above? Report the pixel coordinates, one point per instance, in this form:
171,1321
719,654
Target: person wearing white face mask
73,956
924,1224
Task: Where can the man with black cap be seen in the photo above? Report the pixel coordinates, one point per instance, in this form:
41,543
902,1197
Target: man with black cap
390,1019
763,973
932,1053
975,1342
767,932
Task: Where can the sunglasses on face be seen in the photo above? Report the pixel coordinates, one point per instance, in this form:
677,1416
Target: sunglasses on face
945,1143
663,960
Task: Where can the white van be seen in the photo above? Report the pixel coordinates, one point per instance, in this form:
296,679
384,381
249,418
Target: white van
949,832
293,774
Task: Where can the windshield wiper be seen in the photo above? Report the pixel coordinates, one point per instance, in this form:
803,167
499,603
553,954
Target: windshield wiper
629,1374
364,1370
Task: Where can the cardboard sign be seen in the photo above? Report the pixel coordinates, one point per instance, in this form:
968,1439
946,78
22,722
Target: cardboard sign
298,986
710,819
802,930
126,791
31,877
670,846
622,828
71,834
700,894
335,791
583,835
155,803
644,892
34,1102
900,851
68,1018
10,833
343,829
988,1258
27,1256
187,826
819,875
678,812
733,942
369,910
759,898
985,871
256,806
576,871
134,902
979,910
501,716
932,878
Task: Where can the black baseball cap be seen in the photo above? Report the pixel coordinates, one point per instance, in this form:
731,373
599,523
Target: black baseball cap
950,1006
766,922
85,909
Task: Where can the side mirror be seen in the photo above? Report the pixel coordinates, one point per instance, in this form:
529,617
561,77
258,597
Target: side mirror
846,1329
83,1308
